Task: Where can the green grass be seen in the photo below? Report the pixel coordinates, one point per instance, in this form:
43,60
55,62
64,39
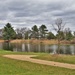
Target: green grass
17,67
58,58
4,52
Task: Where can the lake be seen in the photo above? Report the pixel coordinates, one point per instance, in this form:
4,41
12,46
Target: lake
24,47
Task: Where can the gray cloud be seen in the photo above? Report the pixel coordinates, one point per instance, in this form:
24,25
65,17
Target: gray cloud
26,13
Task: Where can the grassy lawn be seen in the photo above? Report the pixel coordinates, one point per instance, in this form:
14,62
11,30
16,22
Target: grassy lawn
17,67
58,58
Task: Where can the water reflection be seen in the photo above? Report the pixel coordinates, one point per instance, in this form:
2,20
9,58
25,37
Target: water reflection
6,46
22,47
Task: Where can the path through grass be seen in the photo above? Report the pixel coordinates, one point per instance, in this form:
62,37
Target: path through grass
17,67
58,58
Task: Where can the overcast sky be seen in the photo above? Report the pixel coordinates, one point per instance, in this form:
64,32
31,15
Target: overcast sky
26,13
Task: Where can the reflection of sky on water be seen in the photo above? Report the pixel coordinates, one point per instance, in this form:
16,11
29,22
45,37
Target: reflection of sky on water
72,48
53,49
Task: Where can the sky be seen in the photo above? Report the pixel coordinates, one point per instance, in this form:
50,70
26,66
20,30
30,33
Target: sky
27,13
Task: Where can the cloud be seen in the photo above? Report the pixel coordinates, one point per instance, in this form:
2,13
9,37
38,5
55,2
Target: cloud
26,13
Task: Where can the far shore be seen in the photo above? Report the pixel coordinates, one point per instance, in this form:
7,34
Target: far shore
1,41
37,41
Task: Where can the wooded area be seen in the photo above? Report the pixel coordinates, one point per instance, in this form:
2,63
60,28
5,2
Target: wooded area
8,32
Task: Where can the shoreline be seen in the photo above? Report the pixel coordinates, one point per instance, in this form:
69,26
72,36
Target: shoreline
36,41
45,41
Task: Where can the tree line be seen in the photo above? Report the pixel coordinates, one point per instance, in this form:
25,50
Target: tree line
8,32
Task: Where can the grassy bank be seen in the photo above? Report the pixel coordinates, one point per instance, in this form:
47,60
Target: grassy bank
58,58
35,41
17,67
44,41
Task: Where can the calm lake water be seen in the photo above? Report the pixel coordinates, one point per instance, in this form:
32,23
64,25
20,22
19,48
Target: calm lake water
23,47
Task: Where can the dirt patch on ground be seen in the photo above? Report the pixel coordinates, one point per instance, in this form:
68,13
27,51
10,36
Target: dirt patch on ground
28,58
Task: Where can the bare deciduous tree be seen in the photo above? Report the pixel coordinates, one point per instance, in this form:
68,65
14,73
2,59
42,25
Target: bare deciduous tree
58,27
22,31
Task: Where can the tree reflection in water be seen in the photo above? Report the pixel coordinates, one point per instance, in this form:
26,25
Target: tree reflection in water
23,47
